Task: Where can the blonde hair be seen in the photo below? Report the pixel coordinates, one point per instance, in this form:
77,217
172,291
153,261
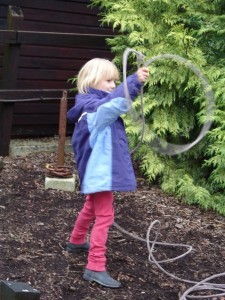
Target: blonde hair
93,72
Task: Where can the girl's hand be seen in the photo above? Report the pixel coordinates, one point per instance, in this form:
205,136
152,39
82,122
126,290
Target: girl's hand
142,74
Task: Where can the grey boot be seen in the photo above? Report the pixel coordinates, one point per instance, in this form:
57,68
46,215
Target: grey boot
75,248
101,277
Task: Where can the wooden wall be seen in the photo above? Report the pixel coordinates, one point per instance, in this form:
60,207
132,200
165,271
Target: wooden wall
47,65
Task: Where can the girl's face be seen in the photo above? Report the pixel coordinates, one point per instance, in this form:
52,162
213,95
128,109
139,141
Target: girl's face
106,85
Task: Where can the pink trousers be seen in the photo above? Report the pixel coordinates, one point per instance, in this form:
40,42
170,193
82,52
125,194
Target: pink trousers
98,207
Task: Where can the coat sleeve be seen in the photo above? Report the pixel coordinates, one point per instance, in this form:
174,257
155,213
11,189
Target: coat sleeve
134,87
108,112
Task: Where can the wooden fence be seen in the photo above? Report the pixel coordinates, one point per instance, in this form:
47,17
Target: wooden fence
42,45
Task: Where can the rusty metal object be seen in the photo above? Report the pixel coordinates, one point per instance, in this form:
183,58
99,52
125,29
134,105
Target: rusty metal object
62,129
53,170
59,169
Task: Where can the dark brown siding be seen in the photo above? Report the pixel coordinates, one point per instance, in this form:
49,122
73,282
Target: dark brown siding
45,65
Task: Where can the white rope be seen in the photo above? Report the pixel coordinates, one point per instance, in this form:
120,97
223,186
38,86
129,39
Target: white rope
198,286
159,144
172,149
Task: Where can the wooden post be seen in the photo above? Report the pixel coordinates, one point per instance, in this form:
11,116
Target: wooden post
9,78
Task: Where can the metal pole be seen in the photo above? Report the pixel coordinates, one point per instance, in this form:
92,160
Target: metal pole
62,129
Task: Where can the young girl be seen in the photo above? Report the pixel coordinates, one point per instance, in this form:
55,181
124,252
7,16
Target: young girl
102,157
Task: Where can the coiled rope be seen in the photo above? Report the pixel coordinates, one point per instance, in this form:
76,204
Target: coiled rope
198,286
172,149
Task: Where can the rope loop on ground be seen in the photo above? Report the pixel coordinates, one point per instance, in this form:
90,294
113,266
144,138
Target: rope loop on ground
198,286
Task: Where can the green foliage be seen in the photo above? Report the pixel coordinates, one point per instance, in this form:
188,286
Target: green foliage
174,101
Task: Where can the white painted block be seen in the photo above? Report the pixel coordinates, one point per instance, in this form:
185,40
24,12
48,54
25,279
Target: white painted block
63,184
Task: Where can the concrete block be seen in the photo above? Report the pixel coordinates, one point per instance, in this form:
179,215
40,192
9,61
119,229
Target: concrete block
13,290
63,184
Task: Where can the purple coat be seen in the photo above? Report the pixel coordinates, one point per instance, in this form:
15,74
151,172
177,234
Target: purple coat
99,139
